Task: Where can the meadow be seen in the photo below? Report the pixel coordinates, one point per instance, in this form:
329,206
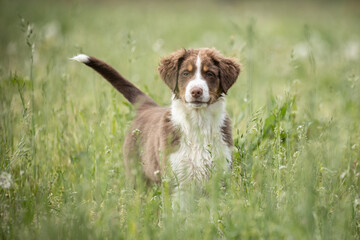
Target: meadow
295,113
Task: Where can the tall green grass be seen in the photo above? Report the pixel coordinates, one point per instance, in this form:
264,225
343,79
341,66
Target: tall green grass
295,112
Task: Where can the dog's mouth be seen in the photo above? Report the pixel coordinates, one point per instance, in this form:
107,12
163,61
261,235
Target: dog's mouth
198,104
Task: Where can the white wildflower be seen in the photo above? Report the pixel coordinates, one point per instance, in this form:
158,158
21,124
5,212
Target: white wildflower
296,154
5,180
356,202
343,175
107,149
136,132
282,167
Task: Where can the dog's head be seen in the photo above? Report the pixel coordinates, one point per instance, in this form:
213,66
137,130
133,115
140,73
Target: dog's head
198,76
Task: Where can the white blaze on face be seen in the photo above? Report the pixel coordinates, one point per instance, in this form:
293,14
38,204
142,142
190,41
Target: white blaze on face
199,82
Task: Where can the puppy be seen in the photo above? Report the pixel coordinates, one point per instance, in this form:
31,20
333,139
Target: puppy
186,138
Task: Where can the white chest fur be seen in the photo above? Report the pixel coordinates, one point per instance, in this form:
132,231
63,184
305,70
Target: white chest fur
201,142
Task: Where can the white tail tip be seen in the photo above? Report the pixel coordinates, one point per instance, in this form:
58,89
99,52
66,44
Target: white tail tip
81,58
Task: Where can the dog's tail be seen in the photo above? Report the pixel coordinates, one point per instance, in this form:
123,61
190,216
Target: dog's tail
134,95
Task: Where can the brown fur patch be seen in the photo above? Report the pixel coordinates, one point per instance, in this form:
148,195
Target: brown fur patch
229,69
155,138
226,131
169,68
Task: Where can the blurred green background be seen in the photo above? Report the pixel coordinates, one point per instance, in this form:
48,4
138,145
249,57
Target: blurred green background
295,111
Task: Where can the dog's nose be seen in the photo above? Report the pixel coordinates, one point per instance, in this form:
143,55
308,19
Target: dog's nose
196,92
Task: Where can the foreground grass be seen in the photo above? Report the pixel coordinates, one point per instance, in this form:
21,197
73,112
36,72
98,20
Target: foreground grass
295,111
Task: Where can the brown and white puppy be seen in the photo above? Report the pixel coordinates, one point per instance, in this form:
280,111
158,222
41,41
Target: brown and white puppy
194,131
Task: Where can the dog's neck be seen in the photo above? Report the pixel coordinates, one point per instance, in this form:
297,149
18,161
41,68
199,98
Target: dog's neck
206,121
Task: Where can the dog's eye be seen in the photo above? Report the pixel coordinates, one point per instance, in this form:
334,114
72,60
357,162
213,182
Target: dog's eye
210,74
186,73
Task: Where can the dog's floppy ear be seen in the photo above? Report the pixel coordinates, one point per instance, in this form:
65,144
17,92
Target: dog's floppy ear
229,70
169,68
